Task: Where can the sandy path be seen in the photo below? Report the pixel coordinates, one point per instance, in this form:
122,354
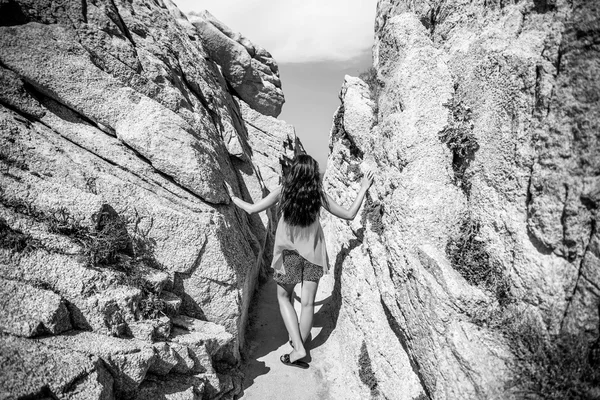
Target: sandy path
265,376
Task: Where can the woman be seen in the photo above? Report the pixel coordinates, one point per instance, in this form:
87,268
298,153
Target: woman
299,254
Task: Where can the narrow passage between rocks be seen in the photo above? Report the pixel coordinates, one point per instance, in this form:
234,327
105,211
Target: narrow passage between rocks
266,377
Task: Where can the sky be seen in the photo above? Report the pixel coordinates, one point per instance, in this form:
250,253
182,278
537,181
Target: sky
315,43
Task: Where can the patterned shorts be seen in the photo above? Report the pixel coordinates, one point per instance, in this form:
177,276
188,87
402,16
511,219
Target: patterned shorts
297,269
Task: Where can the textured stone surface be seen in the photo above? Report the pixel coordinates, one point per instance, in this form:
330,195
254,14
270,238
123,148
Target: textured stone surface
135,364
127,360
517,80
249,69
94,298
29,311
218,341
151,329
65,72
31,369
118,103
169,390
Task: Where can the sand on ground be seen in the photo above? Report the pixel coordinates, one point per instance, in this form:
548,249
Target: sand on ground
267,378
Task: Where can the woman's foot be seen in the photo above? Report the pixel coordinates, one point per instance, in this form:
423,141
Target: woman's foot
297,354
285,358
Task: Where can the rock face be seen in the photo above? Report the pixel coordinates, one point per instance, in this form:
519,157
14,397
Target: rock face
117,132
249,68
482,122
33,369
28,311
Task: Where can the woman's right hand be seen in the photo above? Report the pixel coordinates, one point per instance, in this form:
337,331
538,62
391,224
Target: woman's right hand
367,180
229,189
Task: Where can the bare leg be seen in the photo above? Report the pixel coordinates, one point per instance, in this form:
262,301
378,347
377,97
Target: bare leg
290,319
309,291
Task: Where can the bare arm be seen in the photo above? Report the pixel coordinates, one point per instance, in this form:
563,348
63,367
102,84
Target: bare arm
350,213
259,206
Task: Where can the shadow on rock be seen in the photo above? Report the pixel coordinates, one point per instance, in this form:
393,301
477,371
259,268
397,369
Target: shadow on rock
328,315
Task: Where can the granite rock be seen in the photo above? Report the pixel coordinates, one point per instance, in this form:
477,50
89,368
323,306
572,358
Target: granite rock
250,70
35,369
120,104
29,311
477,116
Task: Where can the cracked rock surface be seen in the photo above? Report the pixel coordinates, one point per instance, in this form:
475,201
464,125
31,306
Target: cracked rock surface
118,129
481,120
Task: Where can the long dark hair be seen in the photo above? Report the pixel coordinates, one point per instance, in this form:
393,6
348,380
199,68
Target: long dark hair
302,193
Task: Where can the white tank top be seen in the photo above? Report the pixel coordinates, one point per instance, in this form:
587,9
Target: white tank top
308,241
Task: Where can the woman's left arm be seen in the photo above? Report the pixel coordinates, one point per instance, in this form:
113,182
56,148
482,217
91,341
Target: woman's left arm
261,205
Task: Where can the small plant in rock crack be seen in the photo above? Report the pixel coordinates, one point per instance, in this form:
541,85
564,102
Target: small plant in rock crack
365,371
458,136
112,246
559,367
468,255
60,221
151,306
108,240
370,78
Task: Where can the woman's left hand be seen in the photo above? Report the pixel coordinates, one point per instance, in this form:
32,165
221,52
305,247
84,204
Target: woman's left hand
367,180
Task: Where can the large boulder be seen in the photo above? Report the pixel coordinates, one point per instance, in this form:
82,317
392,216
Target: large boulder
249,69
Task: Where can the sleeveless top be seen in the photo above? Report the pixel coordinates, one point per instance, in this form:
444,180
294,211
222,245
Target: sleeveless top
308,241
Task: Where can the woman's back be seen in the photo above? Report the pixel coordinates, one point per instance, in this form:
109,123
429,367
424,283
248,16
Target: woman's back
302,192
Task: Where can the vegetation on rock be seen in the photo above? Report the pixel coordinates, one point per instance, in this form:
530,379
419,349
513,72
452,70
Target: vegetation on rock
370,78
468,255
105,245
13,239
549,366
365,372
458,136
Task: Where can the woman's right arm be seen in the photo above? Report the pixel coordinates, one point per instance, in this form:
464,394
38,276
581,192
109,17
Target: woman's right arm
259,206
350,213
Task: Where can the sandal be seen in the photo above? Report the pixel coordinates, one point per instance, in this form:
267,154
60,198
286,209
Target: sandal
285,358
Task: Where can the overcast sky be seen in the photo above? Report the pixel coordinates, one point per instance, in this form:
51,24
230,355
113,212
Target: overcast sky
315,44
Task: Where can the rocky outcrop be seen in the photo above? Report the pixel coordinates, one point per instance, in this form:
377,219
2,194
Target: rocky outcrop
249,68
117,132
479,234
